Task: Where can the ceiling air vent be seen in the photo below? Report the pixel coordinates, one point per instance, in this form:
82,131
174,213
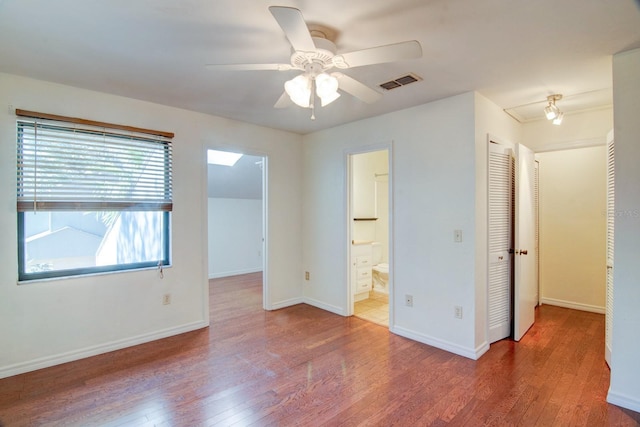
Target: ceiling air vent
400,81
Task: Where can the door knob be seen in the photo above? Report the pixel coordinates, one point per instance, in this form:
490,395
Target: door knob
523,252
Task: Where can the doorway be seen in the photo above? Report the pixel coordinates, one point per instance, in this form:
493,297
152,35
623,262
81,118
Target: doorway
370,280
236,215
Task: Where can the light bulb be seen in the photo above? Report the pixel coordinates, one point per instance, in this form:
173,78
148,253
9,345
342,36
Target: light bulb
328,99
299,90
551,111
327,88
558,120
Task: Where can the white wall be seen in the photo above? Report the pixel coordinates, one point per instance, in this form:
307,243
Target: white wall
434,191
625,375
577,130
573,231
235,236
51,322
382,224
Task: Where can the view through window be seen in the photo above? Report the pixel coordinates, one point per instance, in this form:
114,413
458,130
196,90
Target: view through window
90,200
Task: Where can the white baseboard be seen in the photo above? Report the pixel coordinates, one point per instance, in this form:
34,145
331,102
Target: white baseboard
573,305
441,344
481,349
286,303
57,359
325,306
620,399
234,273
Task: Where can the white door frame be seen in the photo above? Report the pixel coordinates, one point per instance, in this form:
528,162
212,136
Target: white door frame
348,153
266,294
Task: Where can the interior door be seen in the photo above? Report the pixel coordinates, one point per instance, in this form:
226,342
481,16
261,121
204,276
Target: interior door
536,210
500,240
610,228
525,287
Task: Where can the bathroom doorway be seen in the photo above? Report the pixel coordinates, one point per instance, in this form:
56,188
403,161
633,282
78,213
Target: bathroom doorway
369,235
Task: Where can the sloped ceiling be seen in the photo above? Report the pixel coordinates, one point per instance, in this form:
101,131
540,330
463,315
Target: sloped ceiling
513,52
240,181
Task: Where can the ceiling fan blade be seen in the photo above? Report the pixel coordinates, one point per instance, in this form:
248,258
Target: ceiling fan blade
249,67
357,89
283,101
292,23
377,55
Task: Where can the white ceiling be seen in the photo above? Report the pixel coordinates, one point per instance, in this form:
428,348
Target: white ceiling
513,52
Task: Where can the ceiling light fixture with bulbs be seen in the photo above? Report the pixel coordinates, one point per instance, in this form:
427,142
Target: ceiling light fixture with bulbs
303,88
314,53
551,111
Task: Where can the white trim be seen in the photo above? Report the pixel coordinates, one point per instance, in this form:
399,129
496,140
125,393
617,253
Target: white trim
48,361
573,305
325,306
266,289
234,273
623,400
286,303
467,352
570,145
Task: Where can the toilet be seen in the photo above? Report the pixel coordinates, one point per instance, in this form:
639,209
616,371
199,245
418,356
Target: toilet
380,270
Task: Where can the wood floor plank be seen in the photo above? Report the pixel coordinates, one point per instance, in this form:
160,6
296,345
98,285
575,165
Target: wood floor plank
302,366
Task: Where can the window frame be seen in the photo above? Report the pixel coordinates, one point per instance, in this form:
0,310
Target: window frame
25,277
67,124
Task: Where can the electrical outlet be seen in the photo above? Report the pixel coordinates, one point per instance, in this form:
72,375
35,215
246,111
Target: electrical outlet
457,236
306,275
166,299
408,300
457,312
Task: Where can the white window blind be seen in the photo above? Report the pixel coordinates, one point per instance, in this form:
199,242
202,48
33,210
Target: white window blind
77,166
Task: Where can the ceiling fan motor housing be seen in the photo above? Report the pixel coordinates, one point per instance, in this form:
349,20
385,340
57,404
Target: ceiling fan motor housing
317,61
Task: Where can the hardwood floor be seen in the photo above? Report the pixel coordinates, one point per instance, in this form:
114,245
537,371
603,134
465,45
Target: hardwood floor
305,367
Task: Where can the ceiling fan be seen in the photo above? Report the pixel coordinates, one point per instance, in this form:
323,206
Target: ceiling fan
314,54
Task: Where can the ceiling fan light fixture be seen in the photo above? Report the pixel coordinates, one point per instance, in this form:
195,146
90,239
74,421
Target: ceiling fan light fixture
299,90
328,99
327,88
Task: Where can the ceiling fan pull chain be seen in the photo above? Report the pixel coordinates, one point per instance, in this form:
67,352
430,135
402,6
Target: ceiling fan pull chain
312,102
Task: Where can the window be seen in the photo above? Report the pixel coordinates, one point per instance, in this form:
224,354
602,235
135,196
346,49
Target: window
92,197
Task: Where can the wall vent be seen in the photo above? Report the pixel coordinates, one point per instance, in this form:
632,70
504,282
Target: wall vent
400,81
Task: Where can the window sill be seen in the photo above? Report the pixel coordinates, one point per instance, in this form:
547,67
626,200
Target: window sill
101,273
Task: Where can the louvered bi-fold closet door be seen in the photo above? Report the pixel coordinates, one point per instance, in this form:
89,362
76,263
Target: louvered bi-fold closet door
610,228
501,177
